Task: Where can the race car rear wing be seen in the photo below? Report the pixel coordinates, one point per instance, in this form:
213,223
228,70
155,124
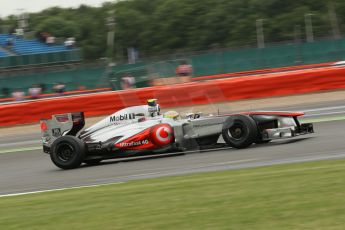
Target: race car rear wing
61,125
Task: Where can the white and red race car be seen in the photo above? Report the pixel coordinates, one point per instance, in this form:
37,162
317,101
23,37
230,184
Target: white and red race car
139,130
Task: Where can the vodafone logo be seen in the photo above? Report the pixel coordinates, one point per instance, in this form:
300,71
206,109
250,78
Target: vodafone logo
162,134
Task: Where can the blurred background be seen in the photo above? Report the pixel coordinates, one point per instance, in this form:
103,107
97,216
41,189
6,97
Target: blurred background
209,56
141,43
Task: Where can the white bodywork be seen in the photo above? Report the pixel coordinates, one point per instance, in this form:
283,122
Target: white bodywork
143,109
130,121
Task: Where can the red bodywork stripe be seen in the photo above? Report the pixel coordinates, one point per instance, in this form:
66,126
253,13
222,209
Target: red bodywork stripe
276,113
139,141
148,138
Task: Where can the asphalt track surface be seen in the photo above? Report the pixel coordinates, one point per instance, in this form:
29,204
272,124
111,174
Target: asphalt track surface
23,171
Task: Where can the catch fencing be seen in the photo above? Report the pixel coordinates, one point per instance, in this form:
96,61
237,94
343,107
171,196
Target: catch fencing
40,59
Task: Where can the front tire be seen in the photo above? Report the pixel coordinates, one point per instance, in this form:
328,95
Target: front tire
67,152
239,131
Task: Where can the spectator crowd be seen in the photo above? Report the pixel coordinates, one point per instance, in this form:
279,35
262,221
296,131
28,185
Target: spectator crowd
34,92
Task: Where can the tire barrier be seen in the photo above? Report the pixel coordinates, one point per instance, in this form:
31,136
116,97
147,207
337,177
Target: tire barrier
194,93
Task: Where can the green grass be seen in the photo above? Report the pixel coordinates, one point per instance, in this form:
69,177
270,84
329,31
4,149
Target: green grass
294,196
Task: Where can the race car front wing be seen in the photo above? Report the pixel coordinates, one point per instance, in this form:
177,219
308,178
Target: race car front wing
287,132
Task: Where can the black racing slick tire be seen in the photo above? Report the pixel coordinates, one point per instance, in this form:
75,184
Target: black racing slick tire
239,131
67,152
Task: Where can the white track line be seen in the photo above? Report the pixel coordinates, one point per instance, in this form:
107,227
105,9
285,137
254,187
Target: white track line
325,108
58,189
324,114
20,149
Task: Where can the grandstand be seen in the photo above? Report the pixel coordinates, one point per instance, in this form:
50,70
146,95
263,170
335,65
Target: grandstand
33,46
30,56
3,54
32,52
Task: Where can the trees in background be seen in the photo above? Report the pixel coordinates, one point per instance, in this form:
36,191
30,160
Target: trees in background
157,27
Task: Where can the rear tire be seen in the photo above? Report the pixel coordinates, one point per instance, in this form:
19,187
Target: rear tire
239,131
67,152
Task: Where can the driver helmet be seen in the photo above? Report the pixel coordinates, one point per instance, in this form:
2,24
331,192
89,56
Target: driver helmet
172,114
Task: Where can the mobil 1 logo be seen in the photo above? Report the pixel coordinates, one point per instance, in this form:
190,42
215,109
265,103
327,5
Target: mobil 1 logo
122,117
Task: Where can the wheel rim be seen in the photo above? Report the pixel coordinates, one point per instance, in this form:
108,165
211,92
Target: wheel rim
237,131
65,152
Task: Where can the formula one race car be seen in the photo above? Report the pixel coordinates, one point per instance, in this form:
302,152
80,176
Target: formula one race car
140,130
